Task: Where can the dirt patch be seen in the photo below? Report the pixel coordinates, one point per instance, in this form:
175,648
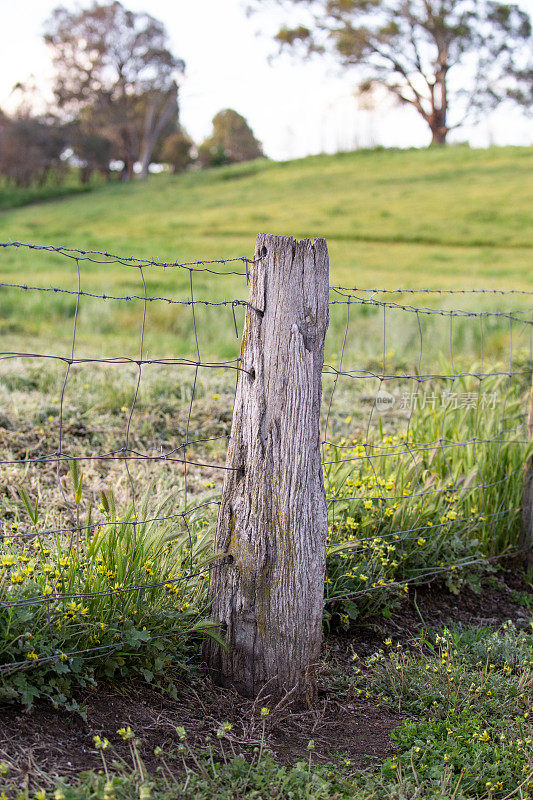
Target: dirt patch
433,606
47,742
495,603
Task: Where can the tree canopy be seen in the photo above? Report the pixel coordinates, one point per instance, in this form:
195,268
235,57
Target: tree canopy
31,148
232,141
115,71
445,58
176,151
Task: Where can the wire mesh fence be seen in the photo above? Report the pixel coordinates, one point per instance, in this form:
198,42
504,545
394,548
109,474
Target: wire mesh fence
94,574
108,515
431,484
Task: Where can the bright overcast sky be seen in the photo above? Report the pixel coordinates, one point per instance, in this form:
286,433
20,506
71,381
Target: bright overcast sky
294,108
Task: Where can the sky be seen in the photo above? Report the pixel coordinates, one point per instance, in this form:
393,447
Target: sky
294,108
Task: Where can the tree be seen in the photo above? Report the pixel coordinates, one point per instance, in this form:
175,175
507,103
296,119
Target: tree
176,151
92,150
445,58
522,91
31,148
231,142
114,67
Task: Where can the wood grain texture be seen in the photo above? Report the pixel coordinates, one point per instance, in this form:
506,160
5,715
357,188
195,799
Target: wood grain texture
272,522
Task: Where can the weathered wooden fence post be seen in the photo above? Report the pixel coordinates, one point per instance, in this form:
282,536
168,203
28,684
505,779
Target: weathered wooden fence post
272,524
527,498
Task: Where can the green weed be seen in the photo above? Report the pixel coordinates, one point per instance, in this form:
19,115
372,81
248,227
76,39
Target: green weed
122,596
437,497
470,693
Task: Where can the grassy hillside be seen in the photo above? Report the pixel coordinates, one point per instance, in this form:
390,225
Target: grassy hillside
427,216
453,218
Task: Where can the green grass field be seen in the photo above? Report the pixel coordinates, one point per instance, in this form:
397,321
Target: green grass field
456,218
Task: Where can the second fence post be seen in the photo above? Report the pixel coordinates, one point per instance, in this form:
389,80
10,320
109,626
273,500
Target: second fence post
527,498
267,594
